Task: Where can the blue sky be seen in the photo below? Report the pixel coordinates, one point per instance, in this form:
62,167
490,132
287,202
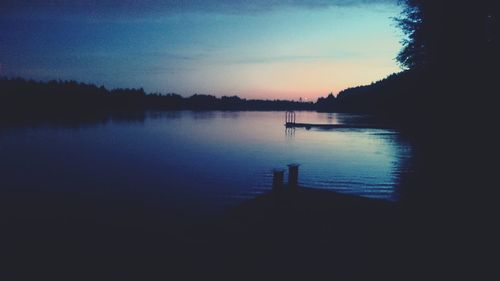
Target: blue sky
254,49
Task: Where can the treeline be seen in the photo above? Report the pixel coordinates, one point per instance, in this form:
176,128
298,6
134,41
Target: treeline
400,98
446,100
22,99
451,57
27,99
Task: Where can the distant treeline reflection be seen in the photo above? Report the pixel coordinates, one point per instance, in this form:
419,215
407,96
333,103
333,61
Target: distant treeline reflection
28,100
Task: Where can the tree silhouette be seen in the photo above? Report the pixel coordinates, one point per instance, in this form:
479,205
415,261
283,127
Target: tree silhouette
412,55
28,100
449,34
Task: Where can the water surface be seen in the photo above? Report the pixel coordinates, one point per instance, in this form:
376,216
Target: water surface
199,161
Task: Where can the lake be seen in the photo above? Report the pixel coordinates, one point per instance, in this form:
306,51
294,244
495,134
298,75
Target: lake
198,162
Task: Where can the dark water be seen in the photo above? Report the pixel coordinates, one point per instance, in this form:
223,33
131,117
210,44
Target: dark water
198,162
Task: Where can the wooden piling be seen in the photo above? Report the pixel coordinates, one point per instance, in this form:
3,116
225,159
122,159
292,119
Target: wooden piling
293,175
278,176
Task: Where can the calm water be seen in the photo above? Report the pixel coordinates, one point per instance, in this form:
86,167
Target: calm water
200,160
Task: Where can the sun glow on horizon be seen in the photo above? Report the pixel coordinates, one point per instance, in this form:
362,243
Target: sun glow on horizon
287,53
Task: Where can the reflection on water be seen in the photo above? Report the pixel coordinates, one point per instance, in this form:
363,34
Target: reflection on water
202,160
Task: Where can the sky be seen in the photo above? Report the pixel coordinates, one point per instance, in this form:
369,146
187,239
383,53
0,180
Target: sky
273,49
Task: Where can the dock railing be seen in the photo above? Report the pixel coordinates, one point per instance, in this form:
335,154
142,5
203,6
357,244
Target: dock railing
290,117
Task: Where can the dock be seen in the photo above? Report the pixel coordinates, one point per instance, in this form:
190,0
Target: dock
290,122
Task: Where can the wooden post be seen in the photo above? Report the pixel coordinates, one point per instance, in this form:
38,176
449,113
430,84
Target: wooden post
278,175
293,175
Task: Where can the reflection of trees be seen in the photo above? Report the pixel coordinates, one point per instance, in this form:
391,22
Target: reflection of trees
453,45
68,100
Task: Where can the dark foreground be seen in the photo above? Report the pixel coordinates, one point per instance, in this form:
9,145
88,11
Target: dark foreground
296,233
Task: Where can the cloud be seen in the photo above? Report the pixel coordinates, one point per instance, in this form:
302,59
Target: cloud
136,8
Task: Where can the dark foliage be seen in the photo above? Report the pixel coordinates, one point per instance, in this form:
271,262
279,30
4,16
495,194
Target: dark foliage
397,98
448,33
446,100
69,100
450,53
